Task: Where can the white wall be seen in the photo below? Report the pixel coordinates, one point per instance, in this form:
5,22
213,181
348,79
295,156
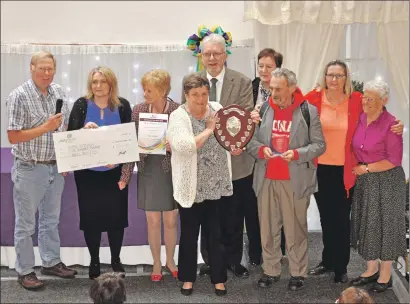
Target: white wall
122,22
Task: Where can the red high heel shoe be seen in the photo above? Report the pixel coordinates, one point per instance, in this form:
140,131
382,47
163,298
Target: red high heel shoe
156,277
173,273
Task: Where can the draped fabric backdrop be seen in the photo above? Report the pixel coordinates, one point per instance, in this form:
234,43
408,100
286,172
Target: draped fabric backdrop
306,48
309,34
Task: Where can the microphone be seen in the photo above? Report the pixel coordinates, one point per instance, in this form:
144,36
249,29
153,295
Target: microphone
59,106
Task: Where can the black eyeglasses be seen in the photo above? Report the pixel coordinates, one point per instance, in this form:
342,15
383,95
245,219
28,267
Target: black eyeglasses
333,76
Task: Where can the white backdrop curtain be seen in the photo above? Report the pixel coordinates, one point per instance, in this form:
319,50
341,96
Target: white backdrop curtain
366,62
309,34
393,41
329,12
306,48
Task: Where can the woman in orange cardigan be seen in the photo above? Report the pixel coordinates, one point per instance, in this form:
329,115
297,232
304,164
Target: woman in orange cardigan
339,109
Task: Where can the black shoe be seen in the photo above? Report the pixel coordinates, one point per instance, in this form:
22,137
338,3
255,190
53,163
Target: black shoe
205,270
94,270
319,269
117,266
267,280
186,292
341,278
239,271
361,281
382,287
296,283
221,292
254,262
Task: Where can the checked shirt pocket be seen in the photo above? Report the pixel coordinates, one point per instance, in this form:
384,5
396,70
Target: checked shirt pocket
36,119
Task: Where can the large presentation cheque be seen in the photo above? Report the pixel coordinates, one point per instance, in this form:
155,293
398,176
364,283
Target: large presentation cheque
88,148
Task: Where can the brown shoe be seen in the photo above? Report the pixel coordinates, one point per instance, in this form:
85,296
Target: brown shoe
30,281
59,270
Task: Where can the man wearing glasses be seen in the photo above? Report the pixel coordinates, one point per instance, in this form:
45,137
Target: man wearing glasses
231,87
37,184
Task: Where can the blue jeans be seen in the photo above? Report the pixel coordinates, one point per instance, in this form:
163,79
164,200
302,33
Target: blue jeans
36,187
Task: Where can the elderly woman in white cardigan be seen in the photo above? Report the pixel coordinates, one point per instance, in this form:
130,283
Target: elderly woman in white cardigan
201,176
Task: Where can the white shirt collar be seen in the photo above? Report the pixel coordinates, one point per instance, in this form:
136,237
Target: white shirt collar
220,77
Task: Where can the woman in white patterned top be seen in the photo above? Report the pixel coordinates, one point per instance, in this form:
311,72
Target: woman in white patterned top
201,175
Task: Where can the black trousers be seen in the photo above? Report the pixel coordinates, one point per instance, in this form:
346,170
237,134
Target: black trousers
93,240
334,209
206,215
242,205
253,231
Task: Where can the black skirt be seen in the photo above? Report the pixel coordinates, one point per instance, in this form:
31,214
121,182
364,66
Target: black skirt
103,206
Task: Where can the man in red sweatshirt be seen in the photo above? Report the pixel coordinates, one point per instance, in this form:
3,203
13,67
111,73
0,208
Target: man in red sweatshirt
285,144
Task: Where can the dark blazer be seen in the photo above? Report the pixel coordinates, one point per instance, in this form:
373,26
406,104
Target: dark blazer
236,89
255,89
79,113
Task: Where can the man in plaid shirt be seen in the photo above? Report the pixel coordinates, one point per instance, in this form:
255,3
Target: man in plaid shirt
37,184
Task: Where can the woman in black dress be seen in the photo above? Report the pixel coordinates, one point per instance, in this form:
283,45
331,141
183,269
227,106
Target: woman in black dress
103,206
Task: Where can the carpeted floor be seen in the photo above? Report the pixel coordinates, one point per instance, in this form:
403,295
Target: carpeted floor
141,290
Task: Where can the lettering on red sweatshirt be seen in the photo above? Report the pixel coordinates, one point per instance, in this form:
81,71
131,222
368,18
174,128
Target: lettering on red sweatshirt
277,168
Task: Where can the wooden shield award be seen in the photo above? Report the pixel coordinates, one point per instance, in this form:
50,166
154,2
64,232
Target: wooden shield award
234,128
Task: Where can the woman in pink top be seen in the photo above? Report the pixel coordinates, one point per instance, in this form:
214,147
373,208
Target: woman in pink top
378,209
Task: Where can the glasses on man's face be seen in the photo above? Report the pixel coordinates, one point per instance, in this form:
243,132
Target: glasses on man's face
44,70
368,99
215,55
333,76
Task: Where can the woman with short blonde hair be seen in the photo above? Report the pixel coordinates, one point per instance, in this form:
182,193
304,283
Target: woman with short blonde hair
158,78
154,176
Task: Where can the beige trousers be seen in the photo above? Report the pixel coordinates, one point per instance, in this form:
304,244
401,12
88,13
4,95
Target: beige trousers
277,206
